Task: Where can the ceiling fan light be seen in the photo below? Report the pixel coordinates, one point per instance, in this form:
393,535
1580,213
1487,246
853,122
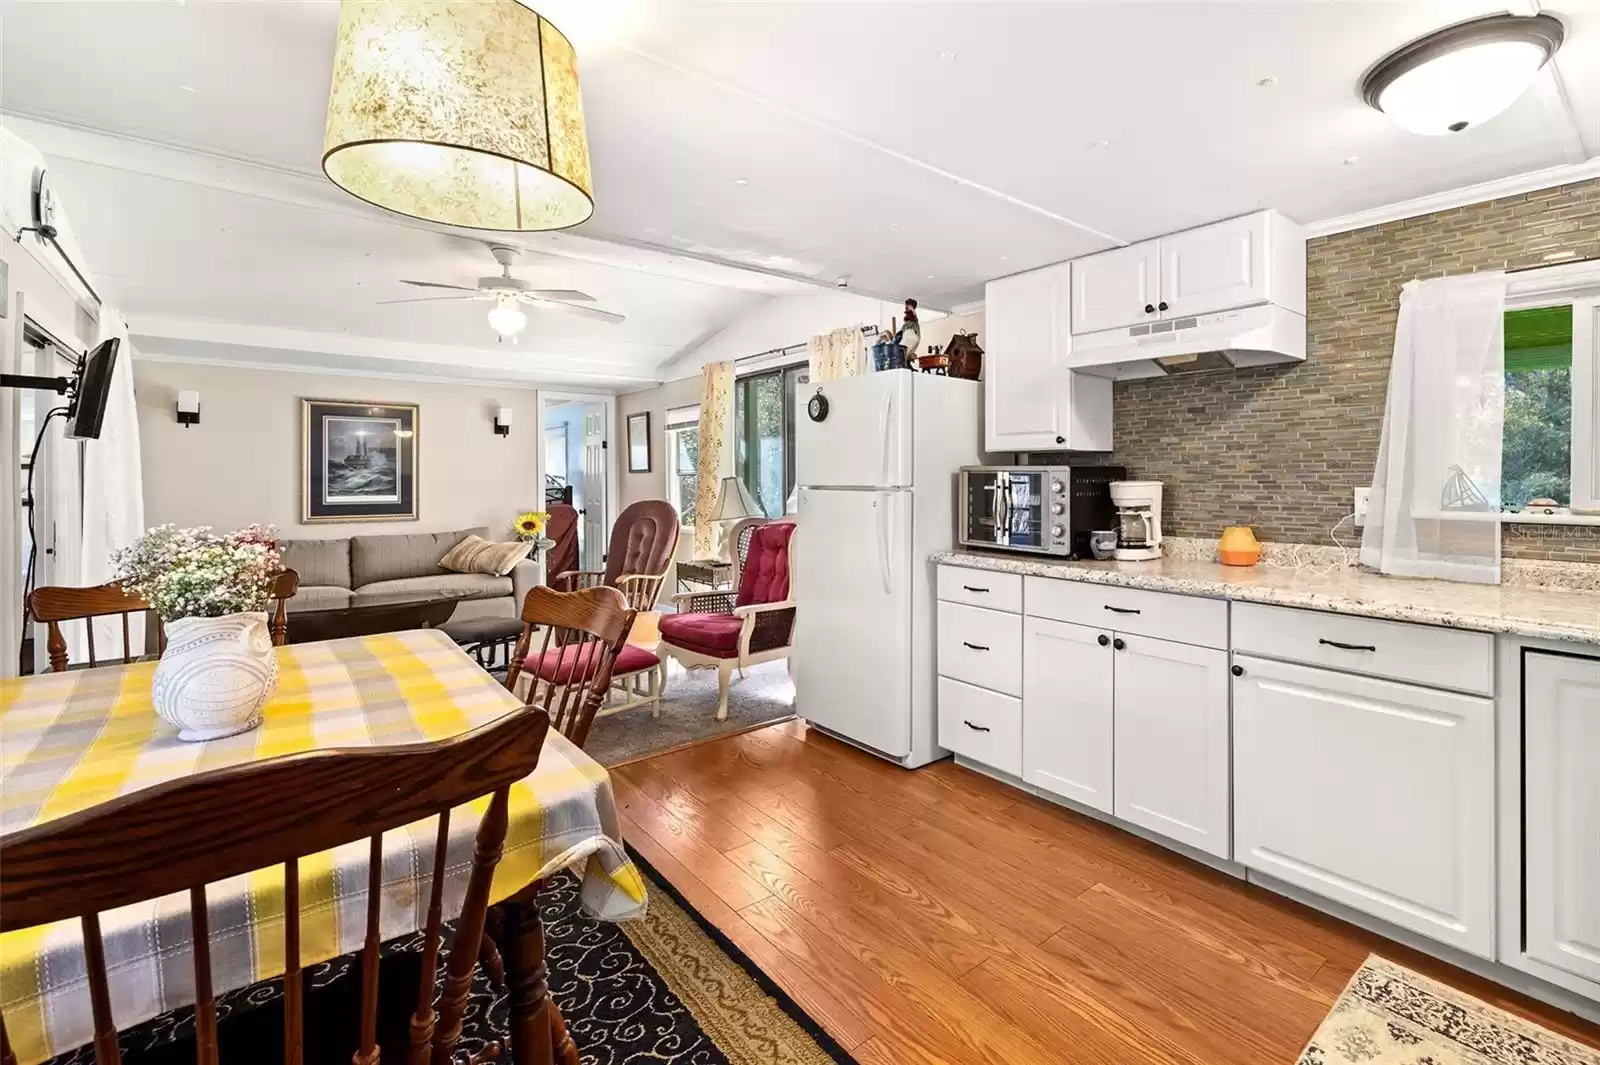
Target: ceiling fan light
506,318
465,112
1464,75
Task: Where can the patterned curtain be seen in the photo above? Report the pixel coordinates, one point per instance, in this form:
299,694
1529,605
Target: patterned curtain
716,456
836,354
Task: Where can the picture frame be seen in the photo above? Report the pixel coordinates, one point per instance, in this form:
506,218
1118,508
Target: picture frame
358,461
639,442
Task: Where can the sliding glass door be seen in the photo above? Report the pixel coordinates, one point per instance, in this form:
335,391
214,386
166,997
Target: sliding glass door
764,437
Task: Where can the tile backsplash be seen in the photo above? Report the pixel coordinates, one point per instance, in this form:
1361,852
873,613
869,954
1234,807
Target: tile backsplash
1281,448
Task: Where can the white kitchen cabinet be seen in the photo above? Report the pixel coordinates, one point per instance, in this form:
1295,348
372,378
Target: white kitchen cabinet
1170,760
1561,811
1115,288
1375,794
1067,715
1032,401
1215,268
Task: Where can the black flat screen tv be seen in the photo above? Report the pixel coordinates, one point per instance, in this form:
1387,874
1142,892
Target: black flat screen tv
91,389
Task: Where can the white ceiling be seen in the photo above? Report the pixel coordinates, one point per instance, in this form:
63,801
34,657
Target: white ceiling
918,147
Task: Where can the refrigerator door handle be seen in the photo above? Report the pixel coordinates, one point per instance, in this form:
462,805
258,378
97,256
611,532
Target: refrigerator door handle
883,431
881,507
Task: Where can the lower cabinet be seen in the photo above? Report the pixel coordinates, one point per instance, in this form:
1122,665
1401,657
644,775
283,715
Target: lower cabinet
1171,740
1561,811
980,724
1066,698
1372,793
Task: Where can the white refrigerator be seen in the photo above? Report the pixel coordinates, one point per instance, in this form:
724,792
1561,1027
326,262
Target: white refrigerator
877,481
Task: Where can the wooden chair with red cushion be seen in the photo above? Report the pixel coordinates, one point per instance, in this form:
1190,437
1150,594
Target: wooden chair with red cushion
758,628
570,672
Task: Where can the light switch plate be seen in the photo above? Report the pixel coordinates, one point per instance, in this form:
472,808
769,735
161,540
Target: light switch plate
1363,496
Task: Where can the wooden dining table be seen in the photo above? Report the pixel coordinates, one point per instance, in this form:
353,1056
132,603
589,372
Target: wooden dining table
69,741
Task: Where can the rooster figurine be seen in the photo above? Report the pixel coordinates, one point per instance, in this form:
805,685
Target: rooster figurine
910,334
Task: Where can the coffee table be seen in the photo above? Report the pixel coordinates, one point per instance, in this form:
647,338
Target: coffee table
312,621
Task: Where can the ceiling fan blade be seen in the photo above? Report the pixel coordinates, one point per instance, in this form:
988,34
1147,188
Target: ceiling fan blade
438,284
588,312
569,294
428,299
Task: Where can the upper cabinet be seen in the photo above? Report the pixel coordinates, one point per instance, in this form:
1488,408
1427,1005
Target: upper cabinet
1032,401
1259,258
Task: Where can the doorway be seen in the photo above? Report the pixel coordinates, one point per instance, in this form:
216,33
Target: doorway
574,445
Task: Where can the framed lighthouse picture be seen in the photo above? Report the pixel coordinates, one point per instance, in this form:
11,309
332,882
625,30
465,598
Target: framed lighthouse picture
358,461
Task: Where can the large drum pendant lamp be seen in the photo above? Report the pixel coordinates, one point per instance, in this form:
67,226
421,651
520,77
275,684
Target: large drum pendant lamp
464,112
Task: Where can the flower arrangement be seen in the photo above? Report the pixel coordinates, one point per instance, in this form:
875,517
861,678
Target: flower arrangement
195,573
529,525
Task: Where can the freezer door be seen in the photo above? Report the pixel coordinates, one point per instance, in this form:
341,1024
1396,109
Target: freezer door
853,615
864,440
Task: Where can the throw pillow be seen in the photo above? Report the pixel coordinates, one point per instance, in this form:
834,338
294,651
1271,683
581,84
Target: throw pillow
477,555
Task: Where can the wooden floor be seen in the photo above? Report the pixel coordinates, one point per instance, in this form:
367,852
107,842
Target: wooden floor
938,916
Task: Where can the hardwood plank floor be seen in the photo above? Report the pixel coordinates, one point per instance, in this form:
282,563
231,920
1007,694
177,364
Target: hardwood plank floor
938,916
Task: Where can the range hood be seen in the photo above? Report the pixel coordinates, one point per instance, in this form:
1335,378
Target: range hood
1224,340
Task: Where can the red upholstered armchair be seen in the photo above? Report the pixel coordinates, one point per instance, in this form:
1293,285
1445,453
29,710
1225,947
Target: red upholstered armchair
758,628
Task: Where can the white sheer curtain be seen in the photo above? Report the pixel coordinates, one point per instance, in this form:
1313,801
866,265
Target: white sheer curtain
1436,489
835,354
113,483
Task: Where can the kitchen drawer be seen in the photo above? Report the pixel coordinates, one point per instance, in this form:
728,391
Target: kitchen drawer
981,725
981,587
1421,654
1163,615
982,647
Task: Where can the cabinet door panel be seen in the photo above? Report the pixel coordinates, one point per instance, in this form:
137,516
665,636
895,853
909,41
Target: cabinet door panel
1023,314
1215,268
1113,288
1561,813
1171,741
1066,711
1375,794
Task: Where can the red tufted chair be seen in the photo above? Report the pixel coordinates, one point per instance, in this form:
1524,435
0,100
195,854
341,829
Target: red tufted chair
758,628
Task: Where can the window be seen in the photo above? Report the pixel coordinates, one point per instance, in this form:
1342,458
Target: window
683,458
1551,446
763,418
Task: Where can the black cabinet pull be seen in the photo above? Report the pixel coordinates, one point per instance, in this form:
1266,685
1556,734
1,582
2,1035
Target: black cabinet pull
974,646
976,728
970,588
1061,440
1348,646
1149,308
1237,671
1118,643
1102,639
1121,609
1161,306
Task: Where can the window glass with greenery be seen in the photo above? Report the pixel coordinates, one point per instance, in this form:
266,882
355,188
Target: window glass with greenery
763,418
1536,461
683,460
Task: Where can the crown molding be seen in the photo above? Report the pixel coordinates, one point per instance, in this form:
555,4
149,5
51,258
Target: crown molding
1514,185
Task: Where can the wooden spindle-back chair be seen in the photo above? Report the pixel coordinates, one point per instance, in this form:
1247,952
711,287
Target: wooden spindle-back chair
570,672
99,859
54,604
283,590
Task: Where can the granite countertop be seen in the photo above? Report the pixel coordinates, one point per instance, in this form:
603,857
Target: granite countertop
1552,613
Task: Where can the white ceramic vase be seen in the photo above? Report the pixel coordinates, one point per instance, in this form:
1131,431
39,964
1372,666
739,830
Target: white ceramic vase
215,675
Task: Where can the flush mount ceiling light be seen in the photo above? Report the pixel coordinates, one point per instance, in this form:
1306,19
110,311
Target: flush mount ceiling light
463,112
1463,75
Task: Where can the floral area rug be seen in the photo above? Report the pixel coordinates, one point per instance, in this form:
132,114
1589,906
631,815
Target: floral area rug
1389,1015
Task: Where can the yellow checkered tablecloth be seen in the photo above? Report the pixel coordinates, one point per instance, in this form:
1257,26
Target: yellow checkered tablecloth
71,740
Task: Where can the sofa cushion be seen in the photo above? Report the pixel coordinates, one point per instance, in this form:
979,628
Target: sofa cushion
716,635
319,597
765,578
466,585
558,665
399,555
474,554
320,563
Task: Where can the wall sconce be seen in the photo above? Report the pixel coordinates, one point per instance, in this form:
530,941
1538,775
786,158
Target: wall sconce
188,408
502,422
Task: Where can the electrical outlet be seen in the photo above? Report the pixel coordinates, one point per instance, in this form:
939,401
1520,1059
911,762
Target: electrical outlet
1363,496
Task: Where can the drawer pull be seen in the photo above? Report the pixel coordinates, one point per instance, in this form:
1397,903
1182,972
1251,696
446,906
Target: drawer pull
974,646
1121,609
970,588
976,728
1348,646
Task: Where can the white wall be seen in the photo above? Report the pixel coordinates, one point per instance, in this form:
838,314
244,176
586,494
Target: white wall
633,487
241,464
779,322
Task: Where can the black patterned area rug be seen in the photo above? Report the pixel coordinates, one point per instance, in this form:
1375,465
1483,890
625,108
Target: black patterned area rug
668,989
1389,1015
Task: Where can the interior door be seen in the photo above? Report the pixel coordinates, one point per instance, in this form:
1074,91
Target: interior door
1215,268
863,440
853,614
1066,710
1561,811
1112,289
594,487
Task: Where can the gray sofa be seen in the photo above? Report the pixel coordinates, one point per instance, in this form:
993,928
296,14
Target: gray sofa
358,570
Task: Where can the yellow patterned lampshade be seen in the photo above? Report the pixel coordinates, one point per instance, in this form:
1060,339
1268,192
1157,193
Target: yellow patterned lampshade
464,112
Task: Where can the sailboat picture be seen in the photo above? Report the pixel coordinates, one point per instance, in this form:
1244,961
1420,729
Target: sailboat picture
359,461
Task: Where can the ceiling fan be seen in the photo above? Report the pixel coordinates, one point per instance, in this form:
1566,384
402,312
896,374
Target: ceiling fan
508,293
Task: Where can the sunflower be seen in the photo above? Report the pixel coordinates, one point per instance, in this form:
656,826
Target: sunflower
529,525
